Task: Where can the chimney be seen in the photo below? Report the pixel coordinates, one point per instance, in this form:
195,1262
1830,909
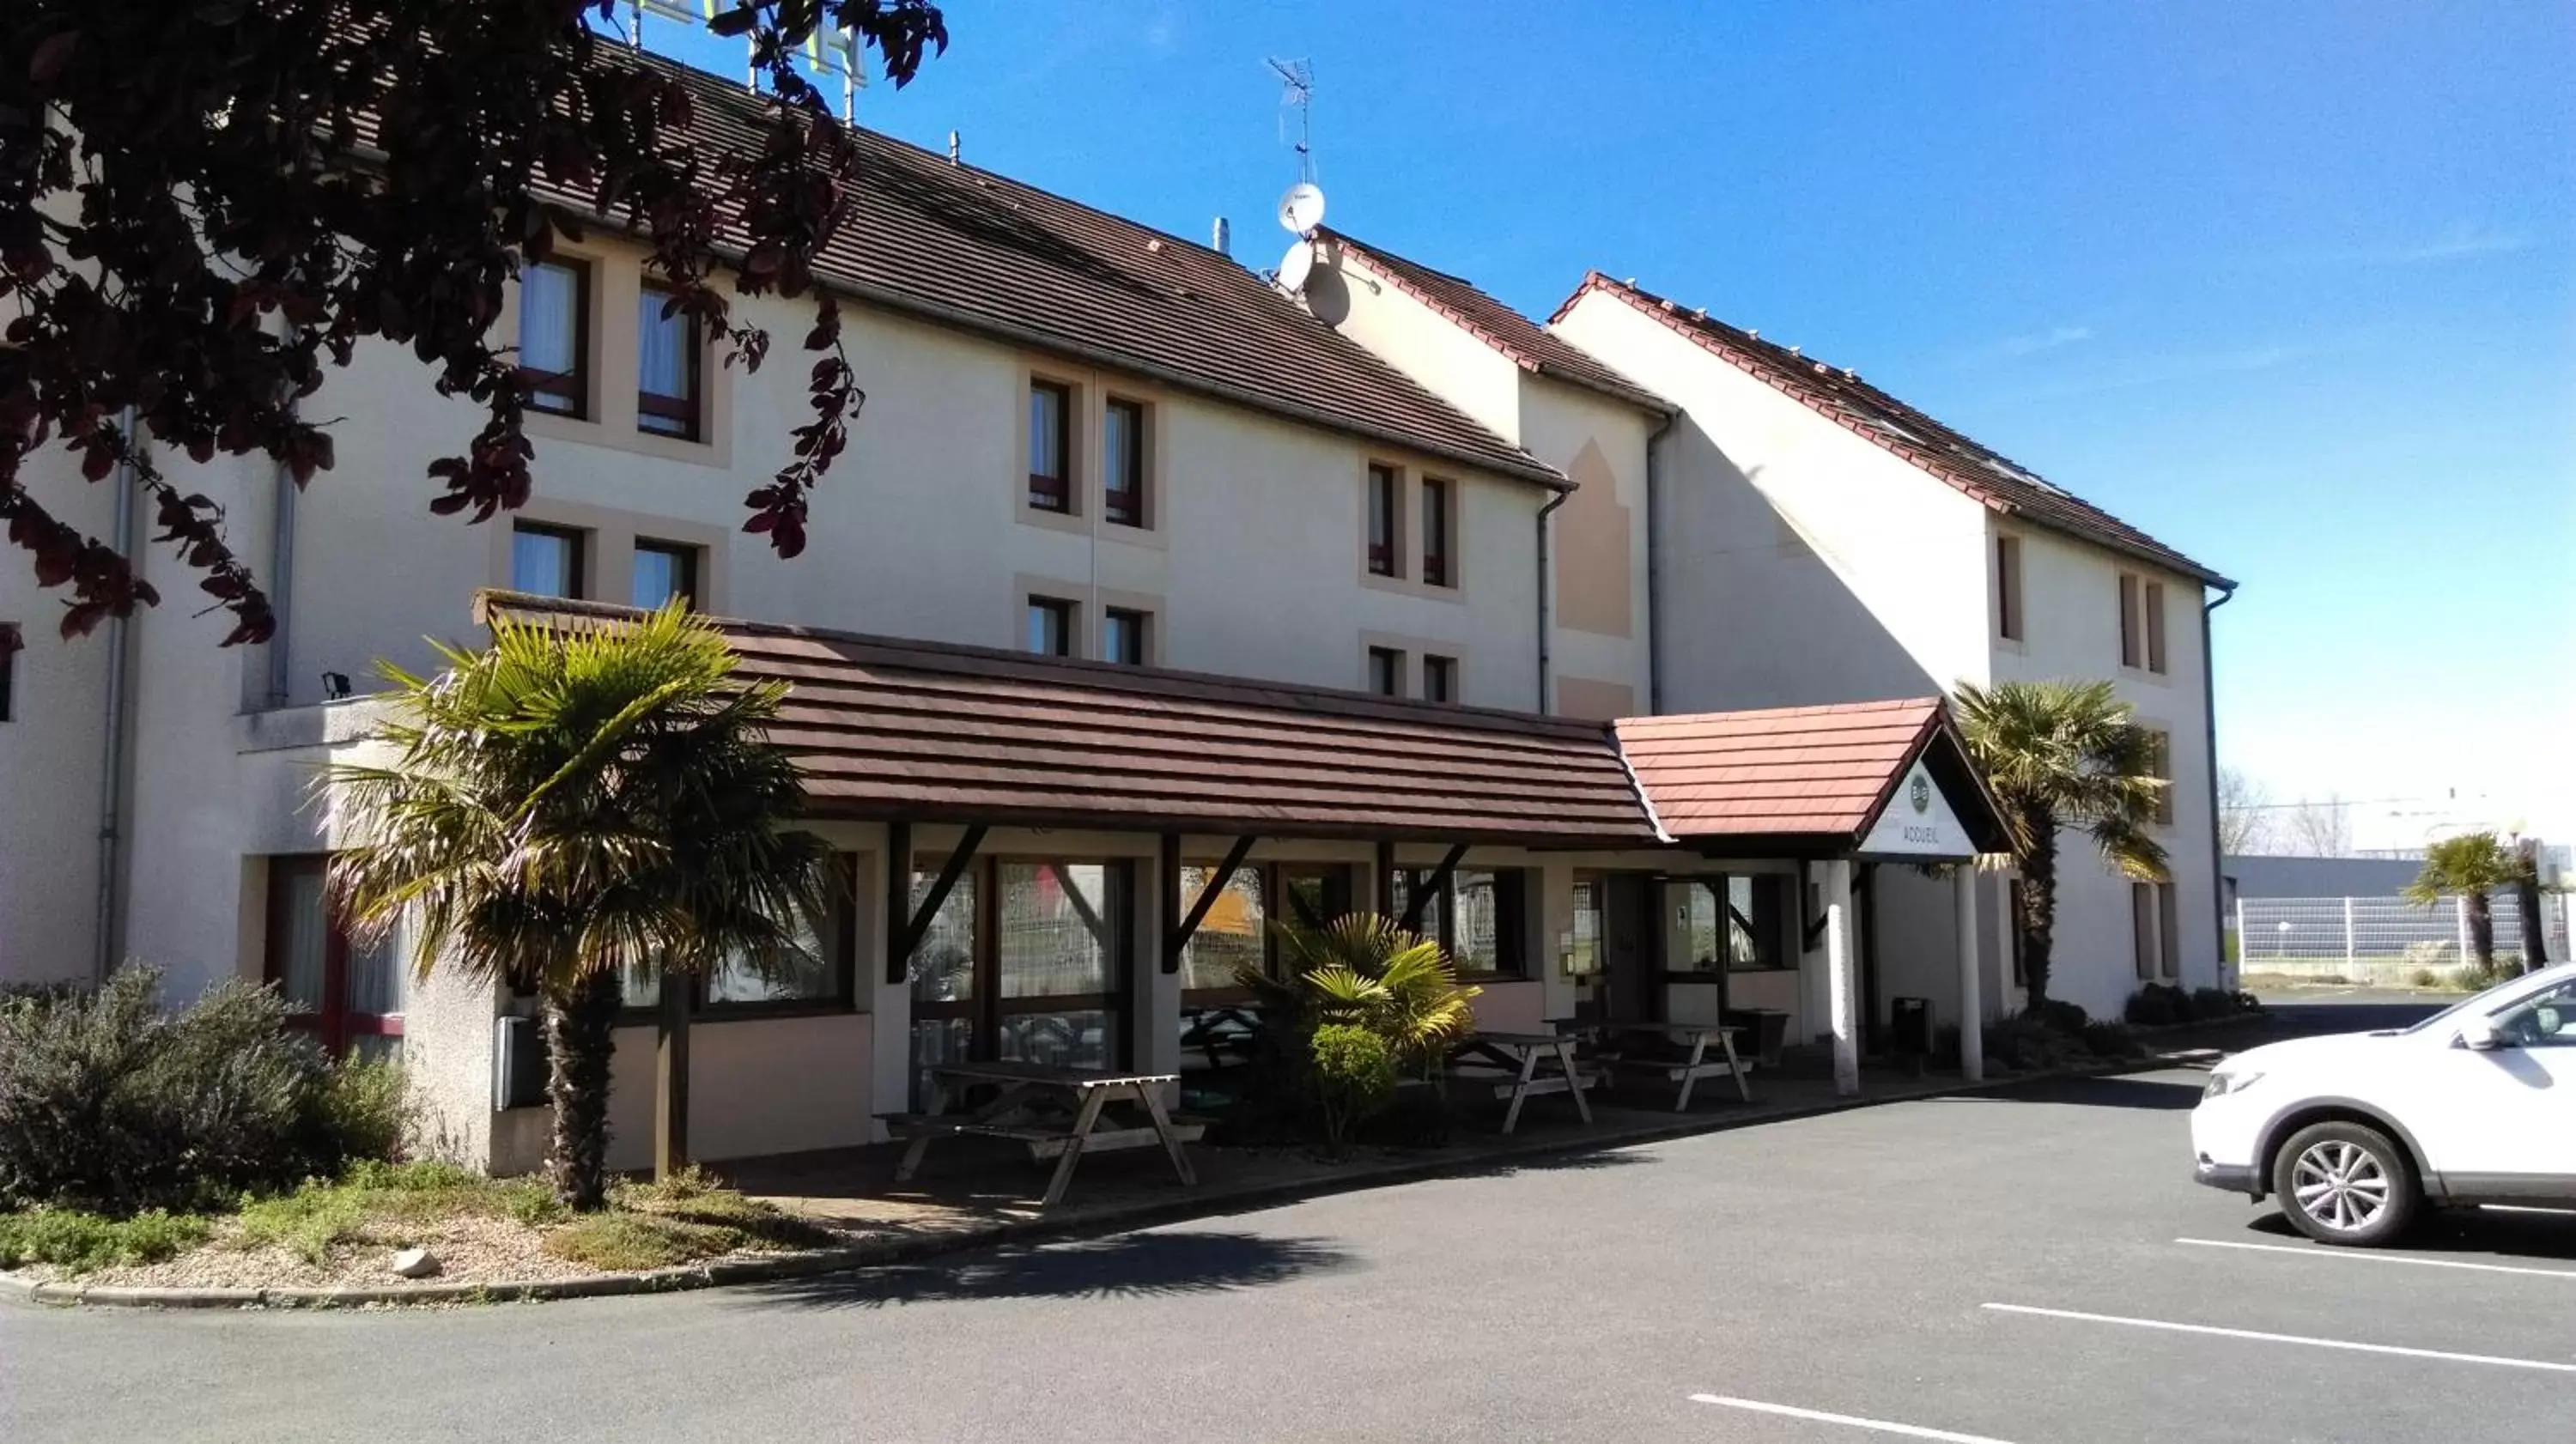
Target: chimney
952,147
1222,239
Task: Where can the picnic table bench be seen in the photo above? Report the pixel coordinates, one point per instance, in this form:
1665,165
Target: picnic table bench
1514,1058
1691,1041
1055,1112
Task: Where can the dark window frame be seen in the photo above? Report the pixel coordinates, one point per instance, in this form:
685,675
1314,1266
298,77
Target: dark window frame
2151,611
1137,624
2132,604
984,1007
1051,494
1385,518
1769,925
1068,620
690,410
573,386
1438,514
2008,589
1126,500
1390,661
1434,665
1438,918
577,545
332,1025
13,640
686,570
843,947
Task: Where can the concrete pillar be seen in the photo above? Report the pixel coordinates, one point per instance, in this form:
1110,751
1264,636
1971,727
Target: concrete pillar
1842,980
1972,1002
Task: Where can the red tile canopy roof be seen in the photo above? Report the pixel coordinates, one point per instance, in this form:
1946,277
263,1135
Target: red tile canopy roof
1839,394
887,729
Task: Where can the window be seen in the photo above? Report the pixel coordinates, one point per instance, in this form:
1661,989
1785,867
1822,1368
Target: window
1435,533
1480,919
2546,1021
11,641
546,560
2160,763
663,571
2142,623
554,333
2008,588
1381,520
1316,895
1050,476
350,998
1736,923
1026,961
819,975
1122,443
667,352
2169,929
1050,627
2155,604
1233,934
2142,927
1386,671
1583,953
1439,678
1122,636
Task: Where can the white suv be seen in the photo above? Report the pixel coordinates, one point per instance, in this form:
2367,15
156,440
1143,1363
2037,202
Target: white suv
2357,1133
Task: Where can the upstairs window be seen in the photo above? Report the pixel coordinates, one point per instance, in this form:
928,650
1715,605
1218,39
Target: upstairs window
546,560
2142,623
1122,636
663,571
2008,588
1050,477
1381,520
1050,627
1386,671
554,327
1122,443
2155,606
667,354
1435,533
2160,764
1439,678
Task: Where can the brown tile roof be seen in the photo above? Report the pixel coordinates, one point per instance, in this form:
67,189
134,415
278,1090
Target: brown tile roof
1980,471
969,248
931,732
1793,772
1521,340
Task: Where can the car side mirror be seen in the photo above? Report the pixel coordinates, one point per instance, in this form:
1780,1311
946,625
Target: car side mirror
2478,1035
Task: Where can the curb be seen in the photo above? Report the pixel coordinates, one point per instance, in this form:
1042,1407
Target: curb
1075,1223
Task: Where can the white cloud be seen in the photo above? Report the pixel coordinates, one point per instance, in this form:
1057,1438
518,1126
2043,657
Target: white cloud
2014,347
2460,243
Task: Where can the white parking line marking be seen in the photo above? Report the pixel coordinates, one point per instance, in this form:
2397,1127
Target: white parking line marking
2355,1256
1910,1431
2260,1337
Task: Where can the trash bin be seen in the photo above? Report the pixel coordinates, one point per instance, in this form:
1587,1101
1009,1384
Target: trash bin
1909,1027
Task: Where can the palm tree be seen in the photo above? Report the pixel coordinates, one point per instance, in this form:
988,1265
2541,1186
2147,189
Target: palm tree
1372,972
573,804
2063,755
2470,866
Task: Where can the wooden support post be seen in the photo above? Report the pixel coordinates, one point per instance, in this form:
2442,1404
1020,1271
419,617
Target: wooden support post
671,1078
919,919
1181,930
1167,899
898,910
1432,887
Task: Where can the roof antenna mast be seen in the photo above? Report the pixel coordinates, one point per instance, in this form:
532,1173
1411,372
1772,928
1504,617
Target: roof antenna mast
1302,208
1296,97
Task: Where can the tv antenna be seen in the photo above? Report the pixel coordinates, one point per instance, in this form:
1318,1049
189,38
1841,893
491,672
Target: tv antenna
831,53
1296,99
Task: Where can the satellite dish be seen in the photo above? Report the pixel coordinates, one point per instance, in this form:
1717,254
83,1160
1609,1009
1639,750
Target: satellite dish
1294,266
1302,208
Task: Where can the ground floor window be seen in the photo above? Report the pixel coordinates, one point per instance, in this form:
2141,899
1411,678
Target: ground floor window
1583,941
1737,923
823,978
1026,961
2155,923
348,996
1480,916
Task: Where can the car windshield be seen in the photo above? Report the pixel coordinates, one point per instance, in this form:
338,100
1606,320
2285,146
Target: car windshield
2486,1001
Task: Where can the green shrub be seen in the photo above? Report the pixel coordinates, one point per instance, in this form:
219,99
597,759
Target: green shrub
2060,1016
107,1103
2106,1039
1354,1077
2221,1003
2160,1004
78,1242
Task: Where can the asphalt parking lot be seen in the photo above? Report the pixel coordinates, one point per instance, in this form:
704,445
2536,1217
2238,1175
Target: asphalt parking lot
2030,1266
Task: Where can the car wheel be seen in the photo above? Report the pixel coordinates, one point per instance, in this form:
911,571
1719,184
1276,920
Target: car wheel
2346,1183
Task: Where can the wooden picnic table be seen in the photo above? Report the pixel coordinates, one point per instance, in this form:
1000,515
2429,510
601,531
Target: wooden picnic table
1055,1111
1688,1070
1519,1054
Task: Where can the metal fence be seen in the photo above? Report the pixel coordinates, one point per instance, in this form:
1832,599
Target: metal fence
2384,940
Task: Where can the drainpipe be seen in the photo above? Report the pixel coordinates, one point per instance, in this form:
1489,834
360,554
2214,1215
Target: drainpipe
281,552
112,747
1654,566
2209,718
1546,595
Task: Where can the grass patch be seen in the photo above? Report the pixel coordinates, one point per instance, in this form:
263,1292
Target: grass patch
78,1242
677,1220
382,1203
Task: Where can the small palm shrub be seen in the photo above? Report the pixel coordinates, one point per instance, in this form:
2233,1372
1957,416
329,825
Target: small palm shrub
1354,1072
109,1104
1364,972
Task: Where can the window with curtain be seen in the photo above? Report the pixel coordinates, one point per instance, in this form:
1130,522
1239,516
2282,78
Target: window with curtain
1439,678
546,560
1122,636
1435,532
554,303
1386,671
349,995
1122,445
1050,451
667,365
1381,519
663,571
1050,626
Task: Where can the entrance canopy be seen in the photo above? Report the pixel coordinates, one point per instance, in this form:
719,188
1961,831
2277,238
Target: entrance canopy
896,730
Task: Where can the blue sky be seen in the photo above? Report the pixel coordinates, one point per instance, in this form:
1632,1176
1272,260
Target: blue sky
2291,286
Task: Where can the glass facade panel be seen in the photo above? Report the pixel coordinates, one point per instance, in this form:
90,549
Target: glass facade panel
1584,958
942,969
1233,932
1059,929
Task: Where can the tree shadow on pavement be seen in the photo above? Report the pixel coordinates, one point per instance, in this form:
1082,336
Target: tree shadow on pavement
1135,1265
